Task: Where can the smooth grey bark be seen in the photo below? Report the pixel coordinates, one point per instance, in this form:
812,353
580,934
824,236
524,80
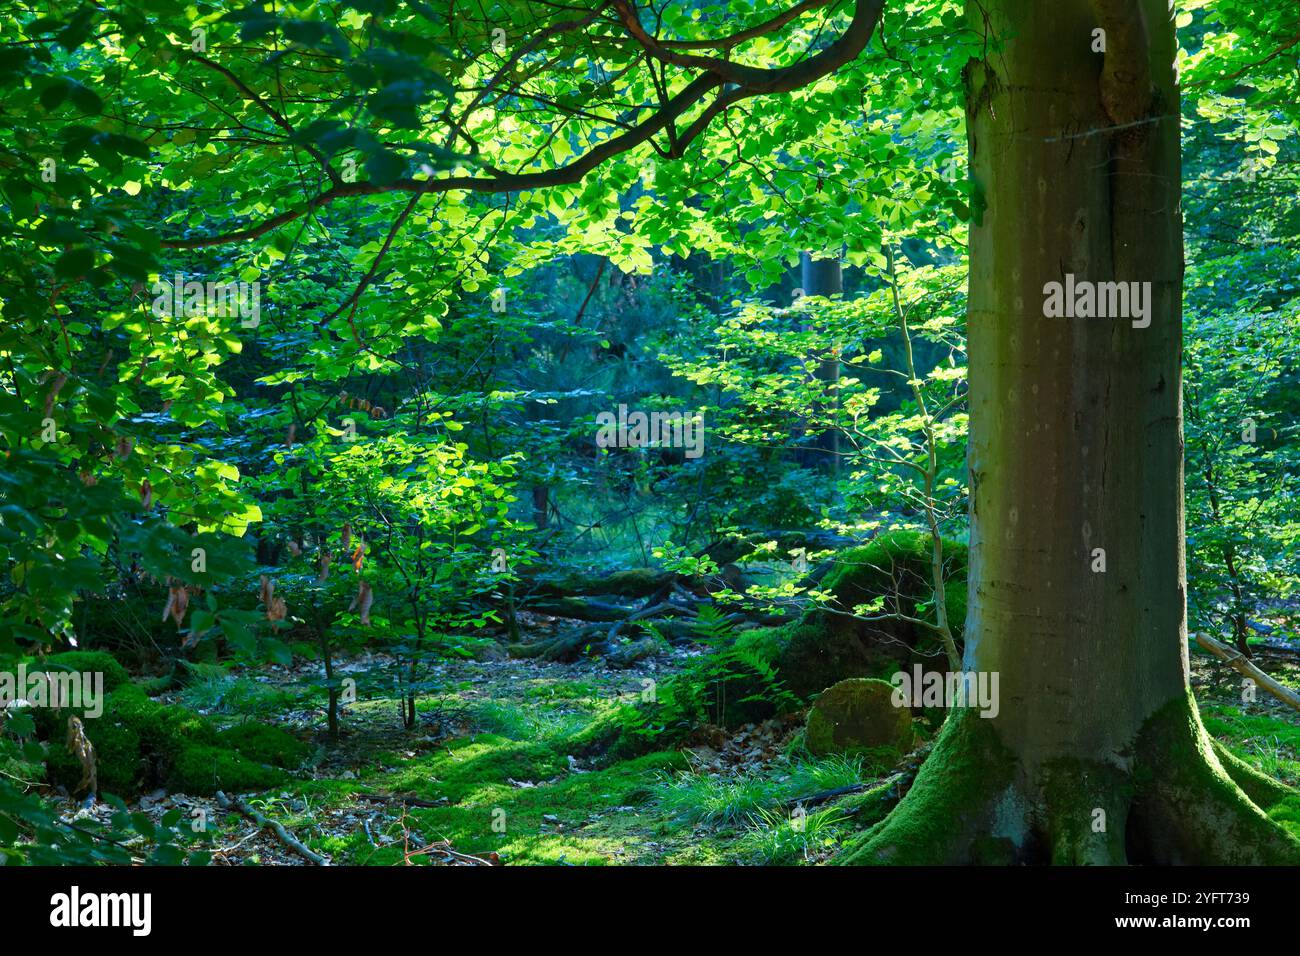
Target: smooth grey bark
1076,423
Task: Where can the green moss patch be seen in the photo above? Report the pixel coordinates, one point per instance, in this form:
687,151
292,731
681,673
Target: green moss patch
265,744
141,743
87,662
951,798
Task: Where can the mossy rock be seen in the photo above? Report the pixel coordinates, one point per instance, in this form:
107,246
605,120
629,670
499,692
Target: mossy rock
858,717
132,738
828,644
119,766
898,561
165,729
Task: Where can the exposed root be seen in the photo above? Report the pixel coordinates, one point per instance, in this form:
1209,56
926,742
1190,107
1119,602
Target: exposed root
956,795
1084,812
1175,798
1264,791
1191,809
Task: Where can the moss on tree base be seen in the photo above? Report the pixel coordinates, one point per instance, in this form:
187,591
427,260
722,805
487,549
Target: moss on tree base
1171,799
948,814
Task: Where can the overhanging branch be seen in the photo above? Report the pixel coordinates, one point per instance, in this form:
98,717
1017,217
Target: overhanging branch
736,82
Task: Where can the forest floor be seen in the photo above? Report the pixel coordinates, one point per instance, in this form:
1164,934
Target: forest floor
501,769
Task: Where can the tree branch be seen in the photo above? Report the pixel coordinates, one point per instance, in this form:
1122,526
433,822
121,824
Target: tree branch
738,82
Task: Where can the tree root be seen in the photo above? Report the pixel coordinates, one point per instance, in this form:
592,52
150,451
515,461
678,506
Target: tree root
1175,797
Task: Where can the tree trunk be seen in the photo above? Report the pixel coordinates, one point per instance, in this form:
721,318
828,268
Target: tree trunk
332,710
824,277
1237,616
1096,753
541,506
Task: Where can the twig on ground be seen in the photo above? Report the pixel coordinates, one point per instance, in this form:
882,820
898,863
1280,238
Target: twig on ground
285,837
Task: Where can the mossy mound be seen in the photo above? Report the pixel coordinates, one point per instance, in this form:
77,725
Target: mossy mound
265,744
858,717
829,644
86,662
118,761
141,743
204,770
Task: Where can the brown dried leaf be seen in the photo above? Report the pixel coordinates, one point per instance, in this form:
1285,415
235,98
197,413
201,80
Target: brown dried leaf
178,599
79,746
362,602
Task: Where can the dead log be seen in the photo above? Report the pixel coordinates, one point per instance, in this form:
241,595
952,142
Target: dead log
562,647
578,608
630,583
1242,665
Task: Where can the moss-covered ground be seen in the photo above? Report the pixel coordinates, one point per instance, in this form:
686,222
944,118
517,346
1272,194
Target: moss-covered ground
535,763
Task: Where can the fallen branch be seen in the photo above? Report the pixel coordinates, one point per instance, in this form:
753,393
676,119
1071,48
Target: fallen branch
577,609
450,857
824,795
648,612
631,583
285,837
564,646
1239,662
403,799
